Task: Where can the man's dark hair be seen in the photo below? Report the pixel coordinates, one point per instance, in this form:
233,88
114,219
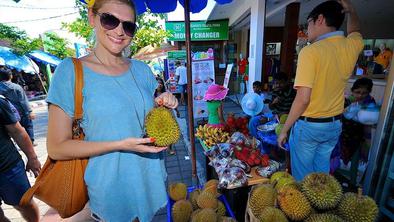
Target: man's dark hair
332,12
363,83
177,63
257,84
5,74
281,76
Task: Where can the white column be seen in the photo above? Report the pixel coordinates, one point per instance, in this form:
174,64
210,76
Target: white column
256,42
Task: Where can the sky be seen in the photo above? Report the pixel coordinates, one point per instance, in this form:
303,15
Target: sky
39,16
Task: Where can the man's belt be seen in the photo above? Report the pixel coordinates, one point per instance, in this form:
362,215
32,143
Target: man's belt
321,120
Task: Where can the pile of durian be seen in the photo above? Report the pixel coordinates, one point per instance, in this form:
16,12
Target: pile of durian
201,205
318,198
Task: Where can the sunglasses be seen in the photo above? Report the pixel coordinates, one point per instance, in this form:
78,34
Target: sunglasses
110,22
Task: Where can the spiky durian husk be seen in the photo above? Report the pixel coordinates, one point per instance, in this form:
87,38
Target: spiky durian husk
357,208
322,190
205,215
261,196
221,211
285,181
325,217
181,211
212,186
193,196
207,200
272,214
294,204
277,175
177,191
161,125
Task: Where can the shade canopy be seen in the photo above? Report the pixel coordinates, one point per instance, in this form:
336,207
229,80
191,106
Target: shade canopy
20,63
166,6
44,57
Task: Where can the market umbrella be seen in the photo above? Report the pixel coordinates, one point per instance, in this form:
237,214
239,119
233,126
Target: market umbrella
44,57
20,63
150,52
165,6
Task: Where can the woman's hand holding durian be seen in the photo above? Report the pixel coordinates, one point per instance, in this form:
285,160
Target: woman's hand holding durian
167,99
141,145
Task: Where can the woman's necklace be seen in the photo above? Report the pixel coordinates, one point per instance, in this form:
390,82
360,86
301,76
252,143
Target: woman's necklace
142,126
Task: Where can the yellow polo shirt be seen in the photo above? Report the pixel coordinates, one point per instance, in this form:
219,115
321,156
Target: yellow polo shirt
325,66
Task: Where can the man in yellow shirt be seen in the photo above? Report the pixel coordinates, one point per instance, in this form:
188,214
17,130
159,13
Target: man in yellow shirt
323,70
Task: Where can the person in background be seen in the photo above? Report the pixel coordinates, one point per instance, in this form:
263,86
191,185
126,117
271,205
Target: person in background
355,135
214,97
283,94
125,176
13,179
323,70
257,87
181,73
384,57
16,94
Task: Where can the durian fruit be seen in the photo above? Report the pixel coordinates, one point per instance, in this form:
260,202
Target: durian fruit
226,219
177,191
193,198
322,190
325,217
205,215
262,196
285,181
161,125
181,211
357,208
272,214
207,200
212,187
293,203
277,175
221,211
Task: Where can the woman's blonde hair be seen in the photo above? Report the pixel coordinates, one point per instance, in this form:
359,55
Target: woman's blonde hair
99,3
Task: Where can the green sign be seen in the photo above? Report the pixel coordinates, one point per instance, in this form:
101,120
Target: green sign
199,31
176,55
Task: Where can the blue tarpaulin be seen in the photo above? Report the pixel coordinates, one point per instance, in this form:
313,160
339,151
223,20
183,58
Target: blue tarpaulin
43,57
20,63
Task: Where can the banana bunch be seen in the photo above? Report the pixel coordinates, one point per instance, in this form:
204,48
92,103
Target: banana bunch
211,136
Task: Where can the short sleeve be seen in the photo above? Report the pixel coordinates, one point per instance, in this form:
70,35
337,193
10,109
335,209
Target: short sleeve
61,90
355,42
306,69
149,79
7,116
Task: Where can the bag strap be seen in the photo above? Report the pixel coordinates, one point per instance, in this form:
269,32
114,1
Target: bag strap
78,99
26,198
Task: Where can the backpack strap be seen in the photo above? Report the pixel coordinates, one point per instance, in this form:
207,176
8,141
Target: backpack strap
78,99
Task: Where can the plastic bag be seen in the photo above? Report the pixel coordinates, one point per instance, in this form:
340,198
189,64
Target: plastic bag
269,170
232,177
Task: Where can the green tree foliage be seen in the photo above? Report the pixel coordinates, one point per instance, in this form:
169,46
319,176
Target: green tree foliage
57,46
19,41
148,33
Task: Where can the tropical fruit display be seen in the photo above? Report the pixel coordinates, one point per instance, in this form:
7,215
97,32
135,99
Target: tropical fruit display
199,205
161,125
356,207
177,191
317,198
237,124
211,136
323,191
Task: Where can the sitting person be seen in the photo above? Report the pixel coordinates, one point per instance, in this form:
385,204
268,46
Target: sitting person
283,94
258,87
